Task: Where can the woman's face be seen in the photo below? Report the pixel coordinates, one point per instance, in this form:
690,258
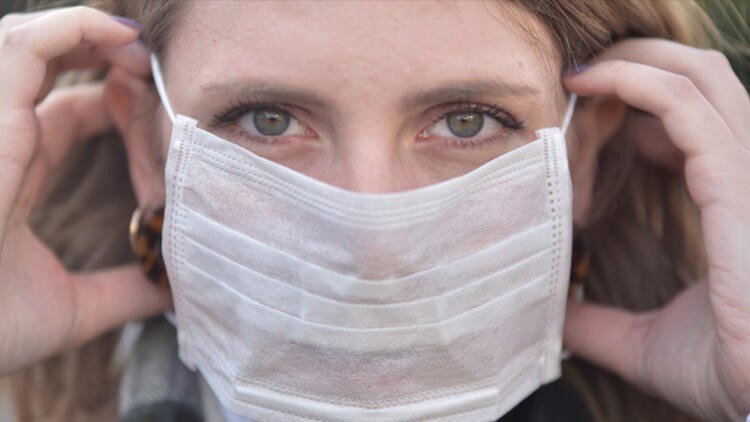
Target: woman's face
368,96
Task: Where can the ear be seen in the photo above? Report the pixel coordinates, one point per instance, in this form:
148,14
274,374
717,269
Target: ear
133,105
596,121
646,132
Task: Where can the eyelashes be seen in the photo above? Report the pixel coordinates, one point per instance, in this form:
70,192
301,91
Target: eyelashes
495,111
258,124
457,124
467,124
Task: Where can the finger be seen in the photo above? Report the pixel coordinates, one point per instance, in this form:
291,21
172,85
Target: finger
688,117
110,298
67,116
133,57
713,155
14,19
18,139
70,115
31,45
608,337
709,70
655,351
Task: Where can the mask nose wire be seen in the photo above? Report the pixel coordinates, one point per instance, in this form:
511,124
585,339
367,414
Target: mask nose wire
159,81
569,113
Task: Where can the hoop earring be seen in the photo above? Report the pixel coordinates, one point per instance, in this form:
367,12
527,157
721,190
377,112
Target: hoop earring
145,240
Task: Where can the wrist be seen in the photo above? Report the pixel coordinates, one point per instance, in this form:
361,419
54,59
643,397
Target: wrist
733,399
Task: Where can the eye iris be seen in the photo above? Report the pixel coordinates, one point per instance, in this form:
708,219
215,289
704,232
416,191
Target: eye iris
271,122
465,125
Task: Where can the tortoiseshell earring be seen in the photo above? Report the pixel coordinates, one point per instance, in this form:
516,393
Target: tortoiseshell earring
579,269
145,239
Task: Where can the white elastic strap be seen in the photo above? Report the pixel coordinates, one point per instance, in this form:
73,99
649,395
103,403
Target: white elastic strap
159,81
578,293
569,115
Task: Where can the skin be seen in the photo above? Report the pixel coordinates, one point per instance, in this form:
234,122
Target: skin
376,146
372,145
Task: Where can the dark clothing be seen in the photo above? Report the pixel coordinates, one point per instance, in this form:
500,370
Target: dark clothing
556,401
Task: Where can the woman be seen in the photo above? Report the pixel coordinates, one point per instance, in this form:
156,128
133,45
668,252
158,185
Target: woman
487,76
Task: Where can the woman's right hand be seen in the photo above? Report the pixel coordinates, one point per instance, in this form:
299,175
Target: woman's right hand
44,309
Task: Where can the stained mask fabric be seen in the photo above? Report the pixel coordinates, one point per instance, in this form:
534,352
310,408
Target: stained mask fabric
300,301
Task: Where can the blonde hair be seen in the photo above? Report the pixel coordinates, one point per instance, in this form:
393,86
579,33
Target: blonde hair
643,234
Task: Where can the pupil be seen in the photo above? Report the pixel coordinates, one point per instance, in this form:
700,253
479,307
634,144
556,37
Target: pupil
465,125
271,122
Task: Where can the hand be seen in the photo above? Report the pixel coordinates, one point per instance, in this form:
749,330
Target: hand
44,309
695,352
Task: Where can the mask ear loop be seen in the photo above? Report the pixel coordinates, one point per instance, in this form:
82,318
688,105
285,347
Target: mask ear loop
575,286
159,81
569,113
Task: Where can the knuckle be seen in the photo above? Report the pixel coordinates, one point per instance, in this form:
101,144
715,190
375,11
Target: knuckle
7,21
59,101
84,11
715,59
618,66
13,38
79,9
682,88
710,173
82,17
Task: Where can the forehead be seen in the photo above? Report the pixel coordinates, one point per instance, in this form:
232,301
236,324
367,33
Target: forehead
349,46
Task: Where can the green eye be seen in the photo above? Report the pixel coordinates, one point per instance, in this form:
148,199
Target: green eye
465,125
270,122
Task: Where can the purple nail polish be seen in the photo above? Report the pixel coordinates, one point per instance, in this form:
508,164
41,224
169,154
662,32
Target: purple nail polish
576,69
128,22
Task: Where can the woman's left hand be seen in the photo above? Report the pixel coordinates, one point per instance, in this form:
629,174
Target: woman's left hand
694,352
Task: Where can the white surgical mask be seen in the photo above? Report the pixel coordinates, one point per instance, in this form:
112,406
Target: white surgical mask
299,301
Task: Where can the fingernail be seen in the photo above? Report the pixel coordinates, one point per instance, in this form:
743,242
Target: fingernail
576,69
128,22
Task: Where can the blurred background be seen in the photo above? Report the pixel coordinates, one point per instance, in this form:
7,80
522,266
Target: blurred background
732,17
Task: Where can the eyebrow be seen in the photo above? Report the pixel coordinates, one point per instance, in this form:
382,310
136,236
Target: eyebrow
266,91
469,89
448,91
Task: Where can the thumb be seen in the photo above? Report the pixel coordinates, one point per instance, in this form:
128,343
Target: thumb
108,299
608,337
